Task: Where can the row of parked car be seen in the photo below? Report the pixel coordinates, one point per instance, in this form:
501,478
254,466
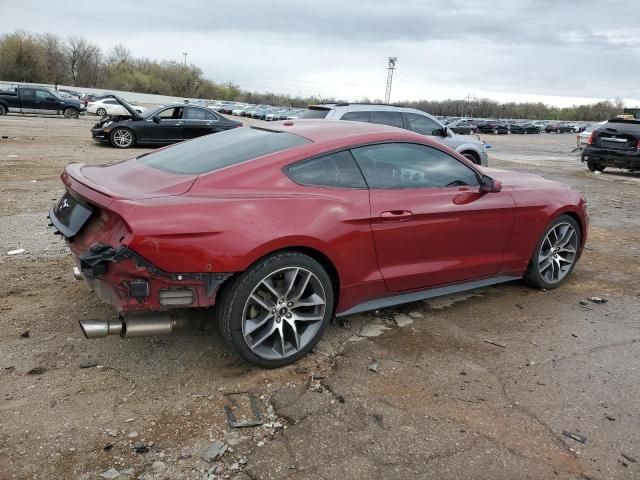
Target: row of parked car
467,126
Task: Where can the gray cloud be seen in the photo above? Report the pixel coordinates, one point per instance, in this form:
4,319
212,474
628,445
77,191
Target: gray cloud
559,48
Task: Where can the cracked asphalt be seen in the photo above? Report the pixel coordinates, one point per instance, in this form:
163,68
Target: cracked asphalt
479,385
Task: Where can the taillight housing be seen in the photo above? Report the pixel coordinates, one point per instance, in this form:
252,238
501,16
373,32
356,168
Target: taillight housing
590,139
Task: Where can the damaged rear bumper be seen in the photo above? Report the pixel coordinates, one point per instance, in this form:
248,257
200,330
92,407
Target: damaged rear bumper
126,280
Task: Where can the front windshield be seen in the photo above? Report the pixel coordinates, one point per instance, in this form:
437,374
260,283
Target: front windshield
150,113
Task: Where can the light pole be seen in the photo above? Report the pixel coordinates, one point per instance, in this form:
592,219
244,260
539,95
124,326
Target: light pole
185,58
391,66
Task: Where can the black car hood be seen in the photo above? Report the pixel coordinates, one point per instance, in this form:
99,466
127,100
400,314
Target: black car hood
135,115
113,120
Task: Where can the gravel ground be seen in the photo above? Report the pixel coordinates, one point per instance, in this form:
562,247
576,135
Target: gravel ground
480,385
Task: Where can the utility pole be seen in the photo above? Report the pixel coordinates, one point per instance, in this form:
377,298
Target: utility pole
185,58
469,98
391,66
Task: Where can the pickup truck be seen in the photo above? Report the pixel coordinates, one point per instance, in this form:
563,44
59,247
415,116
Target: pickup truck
39,100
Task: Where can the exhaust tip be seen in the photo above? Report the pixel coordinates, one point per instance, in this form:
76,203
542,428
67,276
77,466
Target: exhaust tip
100,328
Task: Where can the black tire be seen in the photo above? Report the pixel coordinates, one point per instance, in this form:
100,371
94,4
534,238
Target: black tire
532,276
233,296
101,112
122,138
496,131
71,113
3,111
595,167
472,157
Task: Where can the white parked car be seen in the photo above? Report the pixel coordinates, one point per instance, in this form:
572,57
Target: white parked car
109,106
583,137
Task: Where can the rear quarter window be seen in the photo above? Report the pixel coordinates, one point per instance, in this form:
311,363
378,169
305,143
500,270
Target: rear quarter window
219,150
317,113
337,169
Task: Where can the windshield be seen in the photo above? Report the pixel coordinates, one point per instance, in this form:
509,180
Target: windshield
219,150
151,112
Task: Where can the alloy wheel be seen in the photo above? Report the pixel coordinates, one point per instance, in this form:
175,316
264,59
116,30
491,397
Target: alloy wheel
283,313
558,252
122,138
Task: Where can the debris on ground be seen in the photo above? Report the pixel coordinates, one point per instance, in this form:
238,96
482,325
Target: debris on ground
575,436
214,451
597,300
243,405
140,447
373,366
110,474
37,371
628,457
491,342
88,364
609,417
416,314
403,320
16,252
25,334
301,370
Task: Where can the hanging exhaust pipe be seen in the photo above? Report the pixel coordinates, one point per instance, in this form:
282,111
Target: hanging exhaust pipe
132,326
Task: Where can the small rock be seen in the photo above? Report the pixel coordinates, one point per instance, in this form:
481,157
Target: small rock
128,471
129,420
301,370
463,373
184,454
373,367
243,461
110,474
112,433
25,334
132,434
140,447
214,451
260,443
107,447
416,315
235,466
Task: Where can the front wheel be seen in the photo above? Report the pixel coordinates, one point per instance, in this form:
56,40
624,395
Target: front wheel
555,255
3,110
276,312
122,138
71,113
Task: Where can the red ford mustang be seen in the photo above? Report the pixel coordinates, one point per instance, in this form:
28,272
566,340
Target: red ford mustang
285,227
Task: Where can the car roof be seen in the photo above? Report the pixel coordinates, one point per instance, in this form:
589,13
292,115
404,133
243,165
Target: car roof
368,107
330,130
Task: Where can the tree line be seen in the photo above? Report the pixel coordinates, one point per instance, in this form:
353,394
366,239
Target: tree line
48,58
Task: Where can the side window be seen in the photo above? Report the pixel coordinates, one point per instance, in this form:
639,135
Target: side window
28,93
356,116
334,170
111,102
194,113
43,95
173,113
422,124
388,118
408,165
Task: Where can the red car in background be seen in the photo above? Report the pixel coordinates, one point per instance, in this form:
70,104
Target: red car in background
280,229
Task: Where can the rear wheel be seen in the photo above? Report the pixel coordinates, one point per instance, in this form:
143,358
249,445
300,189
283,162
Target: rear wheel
595,167
495,131
71,113
101,112
122,138
276,312
3,110
556,254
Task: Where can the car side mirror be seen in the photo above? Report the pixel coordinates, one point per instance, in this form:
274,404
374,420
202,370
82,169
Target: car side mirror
489,185
156,119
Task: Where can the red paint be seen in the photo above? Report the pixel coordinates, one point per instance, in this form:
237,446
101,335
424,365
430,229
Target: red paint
379,241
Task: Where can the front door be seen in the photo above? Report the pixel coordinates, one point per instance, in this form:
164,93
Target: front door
46,102
431,224
169,127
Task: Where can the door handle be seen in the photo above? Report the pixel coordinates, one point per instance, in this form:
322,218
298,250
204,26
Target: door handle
395,215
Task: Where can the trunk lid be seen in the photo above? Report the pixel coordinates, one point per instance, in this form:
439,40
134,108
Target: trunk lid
130,179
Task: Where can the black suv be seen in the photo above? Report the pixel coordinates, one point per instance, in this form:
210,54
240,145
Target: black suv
615,144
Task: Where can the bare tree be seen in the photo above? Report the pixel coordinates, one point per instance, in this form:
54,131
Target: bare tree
83,61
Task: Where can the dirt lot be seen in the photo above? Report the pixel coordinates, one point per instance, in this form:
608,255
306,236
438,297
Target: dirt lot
444,403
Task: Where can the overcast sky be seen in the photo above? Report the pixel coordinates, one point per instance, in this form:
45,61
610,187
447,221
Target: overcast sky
557,51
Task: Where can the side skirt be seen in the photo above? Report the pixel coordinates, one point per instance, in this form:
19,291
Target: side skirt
424,294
